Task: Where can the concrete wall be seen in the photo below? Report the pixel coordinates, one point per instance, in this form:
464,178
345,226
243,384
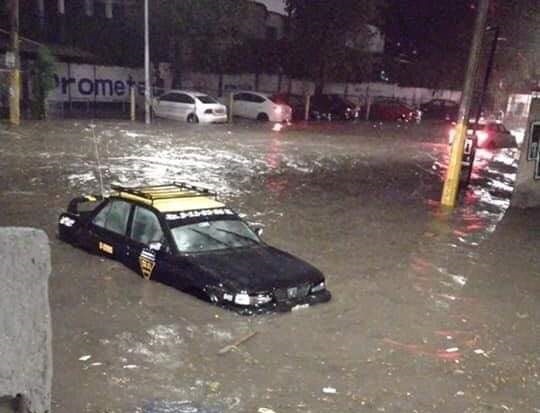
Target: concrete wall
25,323
527,188
88,83
357,92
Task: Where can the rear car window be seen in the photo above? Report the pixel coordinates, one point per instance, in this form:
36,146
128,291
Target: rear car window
206,99
113,217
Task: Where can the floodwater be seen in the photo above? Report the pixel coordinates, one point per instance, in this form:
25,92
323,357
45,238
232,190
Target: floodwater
431,311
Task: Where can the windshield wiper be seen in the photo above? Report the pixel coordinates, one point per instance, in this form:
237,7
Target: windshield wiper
238,235
210,237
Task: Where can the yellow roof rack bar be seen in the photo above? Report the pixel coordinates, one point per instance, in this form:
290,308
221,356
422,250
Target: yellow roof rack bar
152,193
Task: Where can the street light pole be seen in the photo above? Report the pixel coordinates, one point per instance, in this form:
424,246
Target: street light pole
147,95
451,182
15,73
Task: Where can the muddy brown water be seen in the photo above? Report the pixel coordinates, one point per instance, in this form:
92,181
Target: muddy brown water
430,312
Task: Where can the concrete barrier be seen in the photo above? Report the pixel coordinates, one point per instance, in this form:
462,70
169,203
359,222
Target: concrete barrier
25,322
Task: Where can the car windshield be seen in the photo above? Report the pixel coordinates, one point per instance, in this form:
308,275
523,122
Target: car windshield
213,235
206,99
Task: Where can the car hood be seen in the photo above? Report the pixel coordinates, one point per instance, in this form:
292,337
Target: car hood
256,269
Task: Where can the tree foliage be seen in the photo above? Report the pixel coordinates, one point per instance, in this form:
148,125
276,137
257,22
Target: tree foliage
429,41
42,80
327,37
199,34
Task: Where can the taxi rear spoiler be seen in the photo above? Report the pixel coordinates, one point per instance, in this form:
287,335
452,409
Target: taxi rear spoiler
73,206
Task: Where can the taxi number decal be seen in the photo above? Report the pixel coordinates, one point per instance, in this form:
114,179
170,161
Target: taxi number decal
198,213
106,248
147,263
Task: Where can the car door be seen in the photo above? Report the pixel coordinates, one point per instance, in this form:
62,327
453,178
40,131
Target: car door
506,138
107,230
184,106
164,108
257,104
147,249
240,104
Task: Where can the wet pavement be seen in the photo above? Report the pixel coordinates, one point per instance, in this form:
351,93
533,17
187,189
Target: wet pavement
431,312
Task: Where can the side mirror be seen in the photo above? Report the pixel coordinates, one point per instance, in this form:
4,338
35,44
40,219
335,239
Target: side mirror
155,246
258,230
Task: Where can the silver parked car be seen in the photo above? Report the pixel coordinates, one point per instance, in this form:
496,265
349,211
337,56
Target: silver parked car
190,106
260,106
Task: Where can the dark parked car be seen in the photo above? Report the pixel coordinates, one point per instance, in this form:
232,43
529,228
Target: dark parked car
392,110
321,107
296,102
332,107
181,235
440,109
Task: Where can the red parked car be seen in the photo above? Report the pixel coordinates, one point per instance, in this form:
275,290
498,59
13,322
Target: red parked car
392,110
489,134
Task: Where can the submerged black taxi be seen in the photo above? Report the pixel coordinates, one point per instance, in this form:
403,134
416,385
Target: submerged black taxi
181,235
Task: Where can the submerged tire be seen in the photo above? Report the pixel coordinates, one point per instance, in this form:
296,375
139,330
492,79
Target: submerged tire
192,118
262,117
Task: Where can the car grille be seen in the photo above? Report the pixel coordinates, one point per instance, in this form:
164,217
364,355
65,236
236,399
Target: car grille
219,111
292,293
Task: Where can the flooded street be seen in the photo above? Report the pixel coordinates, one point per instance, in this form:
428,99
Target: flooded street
431,312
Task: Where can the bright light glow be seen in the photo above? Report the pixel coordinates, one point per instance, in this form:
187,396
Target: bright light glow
482,137
451,135
241,299
277,127
278,109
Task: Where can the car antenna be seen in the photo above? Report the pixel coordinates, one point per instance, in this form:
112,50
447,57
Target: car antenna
93,127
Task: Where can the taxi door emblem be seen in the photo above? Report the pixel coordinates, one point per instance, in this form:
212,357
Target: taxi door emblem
147,263
105,247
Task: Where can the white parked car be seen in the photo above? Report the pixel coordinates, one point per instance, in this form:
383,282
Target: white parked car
190,106
260,106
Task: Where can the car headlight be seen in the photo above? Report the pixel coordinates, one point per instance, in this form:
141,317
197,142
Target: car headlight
245,299
319,287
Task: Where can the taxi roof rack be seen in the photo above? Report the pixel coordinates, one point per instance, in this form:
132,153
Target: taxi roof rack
167,191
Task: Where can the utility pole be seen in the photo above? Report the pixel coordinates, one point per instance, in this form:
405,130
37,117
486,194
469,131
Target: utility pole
15,73
489,69
146,66
451,182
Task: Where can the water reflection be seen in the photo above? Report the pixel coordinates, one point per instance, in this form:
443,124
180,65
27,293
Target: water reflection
449,247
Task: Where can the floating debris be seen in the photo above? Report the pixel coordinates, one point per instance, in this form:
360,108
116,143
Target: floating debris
234,346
